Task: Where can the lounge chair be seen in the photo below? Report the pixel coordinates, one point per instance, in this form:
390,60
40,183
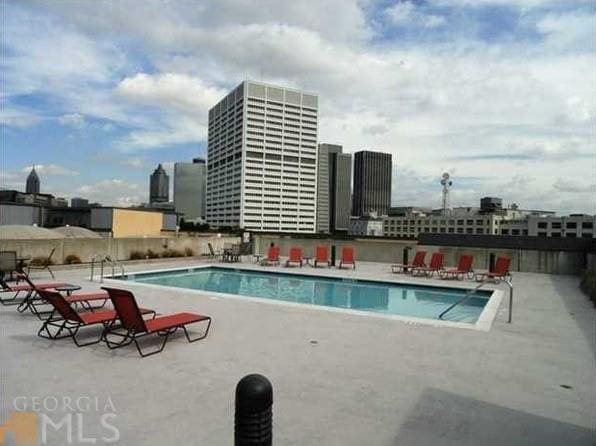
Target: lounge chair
322,256
272,256
418,262
44,265
8,263
500,271
463,268
133,326
29,289
295,257
436,264
213,253
347,257
65,318
32,301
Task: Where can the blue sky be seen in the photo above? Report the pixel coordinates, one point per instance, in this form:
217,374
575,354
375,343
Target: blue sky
501,93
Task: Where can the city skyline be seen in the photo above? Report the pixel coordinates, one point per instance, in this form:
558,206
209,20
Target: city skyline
505,106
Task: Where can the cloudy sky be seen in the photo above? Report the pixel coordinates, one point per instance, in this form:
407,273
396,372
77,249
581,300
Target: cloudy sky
500,93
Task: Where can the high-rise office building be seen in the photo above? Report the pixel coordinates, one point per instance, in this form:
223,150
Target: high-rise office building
77,202
33,183
372,183
159,186
190,184
333,189
262,159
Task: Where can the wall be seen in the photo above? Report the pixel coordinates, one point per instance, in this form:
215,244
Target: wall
136,223
11,214
391,251
117,248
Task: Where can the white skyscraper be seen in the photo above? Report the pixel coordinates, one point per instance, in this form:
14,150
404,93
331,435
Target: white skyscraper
262,159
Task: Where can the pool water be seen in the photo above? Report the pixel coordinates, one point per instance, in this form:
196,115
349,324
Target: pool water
362,295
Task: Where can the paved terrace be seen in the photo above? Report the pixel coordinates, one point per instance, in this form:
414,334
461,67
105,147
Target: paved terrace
366,380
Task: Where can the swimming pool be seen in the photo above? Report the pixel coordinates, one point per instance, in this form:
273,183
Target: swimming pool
418,301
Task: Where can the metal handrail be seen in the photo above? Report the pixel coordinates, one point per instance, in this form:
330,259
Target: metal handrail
93,260
105,259
471,292
462,300
113,263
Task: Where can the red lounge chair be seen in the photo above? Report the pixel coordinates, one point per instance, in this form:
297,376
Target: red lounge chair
500,272
71,321
29,289
347,257
32,301
134,326
418,262
322,256
295,257
436,264
272,256
463,268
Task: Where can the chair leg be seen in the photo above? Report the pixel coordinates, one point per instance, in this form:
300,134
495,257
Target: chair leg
44,331
154,352
84,344
200,337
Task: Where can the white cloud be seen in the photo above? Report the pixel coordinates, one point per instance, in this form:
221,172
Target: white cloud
136,162
73,119
18,117
113,192
183,102
427,103
51,169
406,13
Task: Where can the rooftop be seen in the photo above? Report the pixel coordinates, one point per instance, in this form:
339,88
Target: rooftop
338,378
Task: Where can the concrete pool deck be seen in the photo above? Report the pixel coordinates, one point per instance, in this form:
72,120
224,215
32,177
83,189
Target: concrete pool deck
338,378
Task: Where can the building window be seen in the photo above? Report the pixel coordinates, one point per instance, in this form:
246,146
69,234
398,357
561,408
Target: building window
460,222
571,235
542,225
586,235
479,222
587,225
556,225
542,234
469,230
571,225
504,231
556,234
469,222
479,230
515,232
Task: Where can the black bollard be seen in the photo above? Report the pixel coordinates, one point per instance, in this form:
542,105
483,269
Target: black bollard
405,254
253,423
332,255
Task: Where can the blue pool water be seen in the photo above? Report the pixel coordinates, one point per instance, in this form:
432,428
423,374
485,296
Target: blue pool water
378,297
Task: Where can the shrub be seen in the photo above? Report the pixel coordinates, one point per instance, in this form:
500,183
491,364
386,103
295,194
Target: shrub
137,255
72,259
37,261
189,252
171,253
152,254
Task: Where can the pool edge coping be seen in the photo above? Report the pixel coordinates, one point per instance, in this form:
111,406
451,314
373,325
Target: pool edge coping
483,323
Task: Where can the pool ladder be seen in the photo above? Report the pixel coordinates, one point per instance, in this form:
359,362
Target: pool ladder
474,291
102,260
